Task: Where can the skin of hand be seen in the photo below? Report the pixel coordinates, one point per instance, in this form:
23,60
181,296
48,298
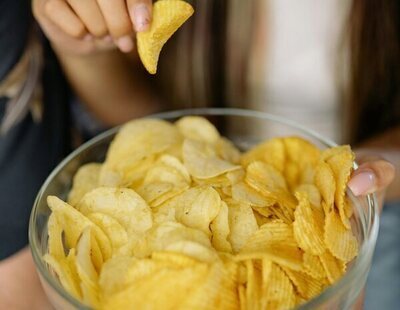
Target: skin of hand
84,27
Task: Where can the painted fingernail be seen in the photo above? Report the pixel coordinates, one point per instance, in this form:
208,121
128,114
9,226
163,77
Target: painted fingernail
125,44
88,38
141,17
363,183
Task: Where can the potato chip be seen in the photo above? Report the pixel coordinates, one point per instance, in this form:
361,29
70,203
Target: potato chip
85,180
137,141
198,128
196,207
242,224
253,286
271,152
86,270
277,290
168,16
64,273
301,152
194,250
338,239
340,160
55,243
312,192
220,230
334,268
241,192
274,241
202,161
73,224
242,297
307,231
326,184
304,284
123,204
227,151
115,232
313,266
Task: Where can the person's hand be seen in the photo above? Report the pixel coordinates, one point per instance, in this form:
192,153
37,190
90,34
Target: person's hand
20,288
83,27
374,175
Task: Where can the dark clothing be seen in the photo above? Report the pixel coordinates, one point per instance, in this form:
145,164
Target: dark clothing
29,151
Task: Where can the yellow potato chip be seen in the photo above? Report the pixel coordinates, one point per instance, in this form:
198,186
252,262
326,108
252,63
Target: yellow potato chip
86,270
253,286
243,193
277,290
313,266
242,224
168,16
135,144
334,268
242,297
85,180
307,230
340,160
227,151
301,152
55,243
338,239
312,193
263,215
115,232
123,204
271,152
304,284
274,241
220,230
326,184
73,224
198,128
64,274
202,161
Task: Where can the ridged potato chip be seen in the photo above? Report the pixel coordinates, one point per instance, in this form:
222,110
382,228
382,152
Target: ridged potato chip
253,286
271,152
340,160
168,16
312,192
304,284
85,180
307,228
334,268
339,240
325,182
313,266
277,290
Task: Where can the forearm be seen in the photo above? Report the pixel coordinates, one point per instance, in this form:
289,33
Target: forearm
110,84
20,287
387,146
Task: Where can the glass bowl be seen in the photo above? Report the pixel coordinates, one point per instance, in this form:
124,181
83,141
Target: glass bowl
245,128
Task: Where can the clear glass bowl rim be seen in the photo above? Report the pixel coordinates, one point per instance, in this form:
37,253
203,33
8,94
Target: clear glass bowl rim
370,226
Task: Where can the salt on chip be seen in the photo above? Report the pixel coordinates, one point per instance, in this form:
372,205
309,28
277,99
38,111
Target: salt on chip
85,180
307,230
168,16
123,204
339,240
202,161
198,128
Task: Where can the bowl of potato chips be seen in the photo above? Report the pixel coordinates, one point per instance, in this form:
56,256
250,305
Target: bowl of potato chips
204,209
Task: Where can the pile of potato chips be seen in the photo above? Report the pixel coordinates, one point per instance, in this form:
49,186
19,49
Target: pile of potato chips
178,218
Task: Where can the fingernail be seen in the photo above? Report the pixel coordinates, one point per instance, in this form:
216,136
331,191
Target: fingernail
88,37
125,44
363,183
141,17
